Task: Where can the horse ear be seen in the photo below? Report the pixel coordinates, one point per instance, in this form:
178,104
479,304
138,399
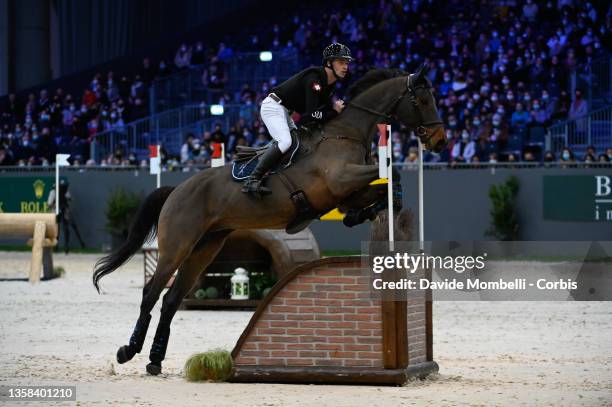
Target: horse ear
422,72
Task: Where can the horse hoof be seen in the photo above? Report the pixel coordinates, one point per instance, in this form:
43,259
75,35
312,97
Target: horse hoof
153,369
124,354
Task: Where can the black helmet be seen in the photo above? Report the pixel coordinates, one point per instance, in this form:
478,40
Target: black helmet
336,51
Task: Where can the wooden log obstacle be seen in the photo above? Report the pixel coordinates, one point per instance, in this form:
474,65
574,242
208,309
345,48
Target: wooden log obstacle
42,230
321,324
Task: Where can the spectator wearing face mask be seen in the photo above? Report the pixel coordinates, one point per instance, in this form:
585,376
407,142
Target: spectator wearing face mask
182,59
520,118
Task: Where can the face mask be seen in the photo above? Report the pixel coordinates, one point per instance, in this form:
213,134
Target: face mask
494,98
83,110
544,97
566,155
35,138
465,135
527,98
510,96
452,124
113,116
505,81
496,123
470,105
476,122
536,107
476,97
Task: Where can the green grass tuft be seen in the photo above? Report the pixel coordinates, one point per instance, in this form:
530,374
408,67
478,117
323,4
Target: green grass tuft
215,365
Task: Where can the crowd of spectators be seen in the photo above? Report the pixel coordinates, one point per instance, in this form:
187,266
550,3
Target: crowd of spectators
500,71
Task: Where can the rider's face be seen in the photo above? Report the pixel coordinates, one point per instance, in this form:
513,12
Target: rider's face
341,67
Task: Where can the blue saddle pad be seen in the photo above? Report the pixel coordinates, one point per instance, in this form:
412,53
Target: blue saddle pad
241,170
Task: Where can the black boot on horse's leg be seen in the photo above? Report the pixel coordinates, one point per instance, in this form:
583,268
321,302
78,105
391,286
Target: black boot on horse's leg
127,352
254,184
158,350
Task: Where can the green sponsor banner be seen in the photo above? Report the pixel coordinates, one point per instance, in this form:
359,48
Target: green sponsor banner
25,194
578,198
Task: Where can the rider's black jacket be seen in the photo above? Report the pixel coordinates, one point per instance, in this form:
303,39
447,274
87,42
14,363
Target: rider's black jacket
308,93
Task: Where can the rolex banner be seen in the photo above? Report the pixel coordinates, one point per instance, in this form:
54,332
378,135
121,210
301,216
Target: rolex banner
25,194
578,198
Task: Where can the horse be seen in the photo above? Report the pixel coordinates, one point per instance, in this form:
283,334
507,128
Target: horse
193,220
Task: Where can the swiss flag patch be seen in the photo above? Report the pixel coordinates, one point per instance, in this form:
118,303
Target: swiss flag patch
316,86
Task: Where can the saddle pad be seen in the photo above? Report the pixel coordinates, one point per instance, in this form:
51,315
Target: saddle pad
242,169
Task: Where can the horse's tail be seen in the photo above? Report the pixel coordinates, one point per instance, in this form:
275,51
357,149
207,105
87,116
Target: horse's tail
143,229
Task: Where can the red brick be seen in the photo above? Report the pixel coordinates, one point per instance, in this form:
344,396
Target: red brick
343,355
309,339
340,339
245,361
353,272
270,331
284,309
284,339
269,361
377,348
358,317
335,272
320,302
356,287
263,324
327,287
301,346
284,324
373,339
255,338
342,310
309,279
341,295
369,355
301,301
369,310
312,354
284,354
249,346
300,317
368,325
300,331
300,362
298,287
358,332
285,294
271,346
328,317
328,346
267,316
341,280
313,294
328,332
254,353
358,362
342,324
328,362
313,310
314,324
359,347
359,303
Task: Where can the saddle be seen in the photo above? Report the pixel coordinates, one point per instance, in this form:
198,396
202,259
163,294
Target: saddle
247,160
248,157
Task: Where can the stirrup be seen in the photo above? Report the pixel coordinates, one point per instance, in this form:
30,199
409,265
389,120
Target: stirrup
255,187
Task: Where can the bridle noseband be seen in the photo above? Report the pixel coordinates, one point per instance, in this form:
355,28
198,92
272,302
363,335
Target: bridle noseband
410,93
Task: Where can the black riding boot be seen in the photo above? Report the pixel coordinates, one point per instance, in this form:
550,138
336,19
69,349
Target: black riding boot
254,184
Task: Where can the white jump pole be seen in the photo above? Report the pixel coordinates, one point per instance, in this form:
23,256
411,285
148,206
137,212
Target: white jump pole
421,206
390,186
159,170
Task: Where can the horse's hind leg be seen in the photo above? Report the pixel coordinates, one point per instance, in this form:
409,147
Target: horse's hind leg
201,256
150,294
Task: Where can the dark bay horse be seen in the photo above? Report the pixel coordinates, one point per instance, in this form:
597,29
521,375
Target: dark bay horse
193,220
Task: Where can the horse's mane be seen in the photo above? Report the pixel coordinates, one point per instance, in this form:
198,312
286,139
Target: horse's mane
371,78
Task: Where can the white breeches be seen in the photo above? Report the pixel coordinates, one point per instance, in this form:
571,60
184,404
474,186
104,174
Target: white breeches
278,121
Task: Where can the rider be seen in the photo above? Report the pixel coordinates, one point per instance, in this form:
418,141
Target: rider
308,93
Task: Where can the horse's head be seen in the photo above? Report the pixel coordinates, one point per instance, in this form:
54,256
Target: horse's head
416,109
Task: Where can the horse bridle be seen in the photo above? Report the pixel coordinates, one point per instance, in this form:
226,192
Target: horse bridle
410,92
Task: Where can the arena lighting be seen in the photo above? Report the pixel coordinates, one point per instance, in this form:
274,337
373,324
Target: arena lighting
216,110
265,56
